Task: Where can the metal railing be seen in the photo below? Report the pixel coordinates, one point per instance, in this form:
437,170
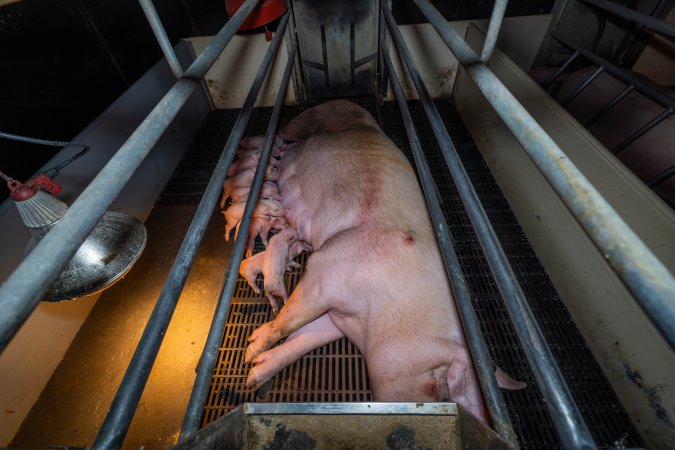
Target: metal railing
209,356
650,282
121,412
21,292
566,416
485,369
633,83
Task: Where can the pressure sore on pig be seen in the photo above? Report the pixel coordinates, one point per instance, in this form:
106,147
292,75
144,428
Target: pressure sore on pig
375,275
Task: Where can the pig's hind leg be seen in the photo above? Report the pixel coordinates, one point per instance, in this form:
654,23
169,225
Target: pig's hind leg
315,334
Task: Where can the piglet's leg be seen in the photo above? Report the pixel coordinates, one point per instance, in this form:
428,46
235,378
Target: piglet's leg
250,268
274,265
316,333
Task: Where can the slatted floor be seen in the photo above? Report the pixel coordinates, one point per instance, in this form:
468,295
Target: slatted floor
337,372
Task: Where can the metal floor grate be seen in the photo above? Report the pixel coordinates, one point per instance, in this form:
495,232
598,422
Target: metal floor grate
337,372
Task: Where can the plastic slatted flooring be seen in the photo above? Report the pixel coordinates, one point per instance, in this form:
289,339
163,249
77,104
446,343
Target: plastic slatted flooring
337,372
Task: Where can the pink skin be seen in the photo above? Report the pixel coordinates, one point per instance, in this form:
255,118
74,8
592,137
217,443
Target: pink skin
274,265
247,163
244,180
347,188
647,156
268,190
264,208
250,268
259,227
256,143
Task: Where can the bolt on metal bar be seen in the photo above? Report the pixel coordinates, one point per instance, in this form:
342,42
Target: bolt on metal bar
620,96
642,131
118,419
21,292
642,85
664,28
547,83
162,38
583,86
207,361
481,357
495,26
660,178
643,273
566,416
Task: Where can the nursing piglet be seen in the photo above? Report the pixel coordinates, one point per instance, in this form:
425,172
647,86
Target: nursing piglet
376,275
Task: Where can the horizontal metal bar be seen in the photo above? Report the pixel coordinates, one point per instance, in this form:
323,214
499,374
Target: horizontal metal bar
660,178
565,415
642,85
620,96
358,408
21,292
557,73
642,131
485,369
664,28
495,26
647,278
124,405
583,86
207,361
162,38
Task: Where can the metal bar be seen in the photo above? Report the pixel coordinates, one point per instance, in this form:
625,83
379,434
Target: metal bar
641,132
162,38
663,176
496,19
30,140
609,105
207,361
642,85
547,83
647,278
664,28
21,292
118,419
479,351
583,86
565,415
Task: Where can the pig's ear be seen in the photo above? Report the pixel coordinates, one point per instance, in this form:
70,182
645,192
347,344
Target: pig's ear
506,382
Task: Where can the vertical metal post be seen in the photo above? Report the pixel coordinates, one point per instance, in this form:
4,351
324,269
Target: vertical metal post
495,26
566,416
207,361
21,292
479,351
162,38
643,273
118,419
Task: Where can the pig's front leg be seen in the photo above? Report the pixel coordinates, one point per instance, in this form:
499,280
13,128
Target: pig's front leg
306,303
316,333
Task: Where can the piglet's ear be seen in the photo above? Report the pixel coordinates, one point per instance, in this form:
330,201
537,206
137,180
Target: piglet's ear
506,382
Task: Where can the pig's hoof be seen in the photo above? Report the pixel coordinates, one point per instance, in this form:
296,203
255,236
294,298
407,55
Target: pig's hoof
259,341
